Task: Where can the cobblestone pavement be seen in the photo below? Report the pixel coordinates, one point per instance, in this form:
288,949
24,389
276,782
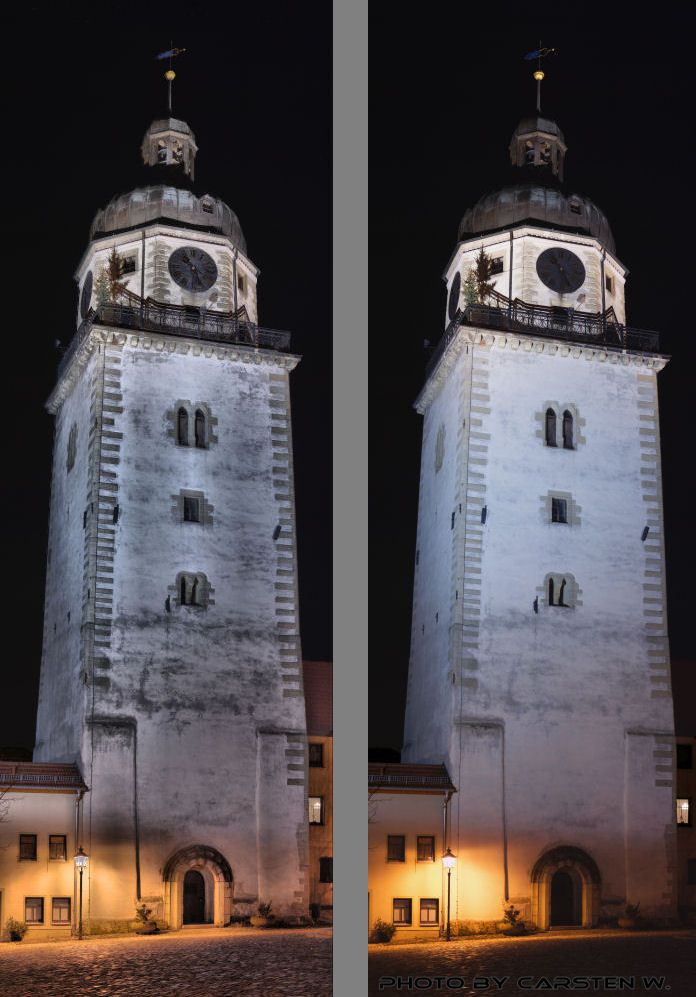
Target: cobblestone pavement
538,964
226,962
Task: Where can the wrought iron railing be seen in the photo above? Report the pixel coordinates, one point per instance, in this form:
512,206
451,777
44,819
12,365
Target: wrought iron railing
584,328
178,320
400,779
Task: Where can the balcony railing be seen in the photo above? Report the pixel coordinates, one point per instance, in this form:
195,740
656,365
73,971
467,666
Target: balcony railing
584,328
179,320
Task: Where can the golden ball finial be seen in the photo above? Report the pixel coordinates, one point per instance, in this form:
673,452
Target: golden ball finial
170,74
538,75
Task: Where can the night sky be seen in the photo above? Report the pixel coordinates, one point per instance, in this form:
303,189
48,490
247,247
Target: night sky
80,85
446,91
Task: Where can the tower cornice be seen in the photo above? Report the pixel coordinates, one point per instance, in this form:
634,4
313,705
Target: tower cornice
471,336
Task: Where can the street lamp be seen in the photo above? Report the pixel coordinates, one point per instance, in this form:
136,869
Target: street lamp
448,860
80,863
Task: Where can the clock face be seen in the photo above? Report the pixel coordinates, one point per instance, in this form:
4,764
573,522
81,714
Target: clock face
454,295
560,270
86,295
192,268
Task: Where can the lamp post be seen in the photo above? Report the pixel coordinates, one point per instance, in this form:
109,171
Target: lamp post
80,863
448,860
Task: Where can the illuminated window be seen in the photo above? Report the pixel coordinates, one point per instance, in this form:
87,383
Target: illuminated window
426,848
326,869
34,910
60,910
27,848
402,910
57,849
429,910
396,848
684,760
316,756
683,811
316,809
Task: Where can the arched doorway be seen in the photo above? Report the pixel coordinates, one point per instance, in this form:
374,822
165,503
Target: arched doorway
198,887
194,898
566,889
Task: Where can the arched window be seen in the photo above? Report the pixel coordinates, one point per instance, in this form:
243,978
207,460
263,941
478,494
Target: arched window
194,591
551,602
200,429
182,427
182,592
567,430
550,428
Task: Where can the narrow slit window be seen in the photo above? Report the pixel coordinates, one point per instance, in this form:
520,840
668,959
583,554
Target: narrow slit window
200,429
182,427
551,593
567,431
192,509
182,591
550,428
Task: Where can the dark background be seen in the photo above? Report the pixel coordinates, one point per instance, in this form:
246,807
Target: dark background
80,85
447,89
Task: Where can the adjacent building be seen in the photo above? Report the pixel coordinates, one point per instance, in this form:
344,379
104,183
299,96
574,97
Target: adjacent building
318,687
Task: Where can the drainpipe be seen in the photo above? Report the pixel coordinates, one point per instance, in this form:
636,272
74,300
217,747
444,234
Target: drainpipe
142,279
234,290
604,302
510,282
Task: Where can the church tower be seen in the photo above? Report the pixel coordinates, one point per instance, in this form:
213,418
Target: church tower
171,668
539,669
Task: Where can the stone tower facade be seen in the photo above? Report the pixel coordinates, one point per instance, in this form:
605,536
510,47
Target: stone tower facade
539,669
171,669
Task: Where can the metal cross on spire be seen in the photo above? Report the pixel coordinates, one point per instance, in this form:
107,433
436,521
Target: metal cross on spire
538,73
170,74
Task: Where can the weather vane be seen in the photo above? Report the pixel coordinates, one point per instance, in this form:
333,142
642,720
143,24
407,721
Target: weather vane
170,74
538,73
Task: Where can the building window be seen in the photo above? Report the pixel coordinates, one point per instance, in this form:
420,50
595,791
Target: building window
683,811
402,910
426,848
396,848
200,433
192,509
684,756
609,282
33,910
574,207
316,756
27,848
192,590
326,869
429,910
560,590
496,265
559,510
691,872
316,809
550,428
60,910
72,447
241,283
568,441
127,265
182,427
57,848
207,207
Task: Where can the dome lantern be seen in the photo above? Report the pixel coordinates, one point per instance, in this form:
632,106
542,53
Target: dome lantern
538,142
170,142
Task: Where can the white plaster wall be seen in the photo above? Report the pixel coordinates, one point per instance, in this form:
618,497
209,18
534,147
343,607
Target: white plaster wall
564,685
61,692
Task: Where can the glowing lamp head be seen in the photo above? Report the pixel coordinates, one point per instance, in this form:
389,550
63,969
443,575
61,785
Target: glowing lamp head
170,75
80,858
448,859
538,75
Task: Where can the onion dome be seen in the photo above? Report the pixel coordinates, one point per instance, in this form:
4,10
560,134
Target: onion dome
169,204
546,207
537,151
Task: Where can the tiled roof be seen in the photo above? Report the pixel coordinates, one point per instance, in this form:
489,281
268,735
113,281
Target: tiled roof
408,776
318,690
44,775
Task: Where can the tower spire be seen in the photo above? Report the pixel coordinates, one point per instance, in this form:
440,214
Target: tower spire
170,74
538,72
